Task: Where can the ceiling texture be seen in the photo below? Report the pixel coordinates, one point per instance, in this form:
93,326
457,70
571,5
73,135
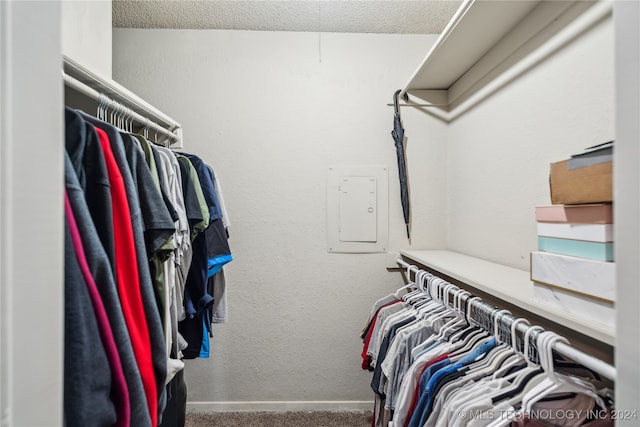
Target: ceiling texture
341,16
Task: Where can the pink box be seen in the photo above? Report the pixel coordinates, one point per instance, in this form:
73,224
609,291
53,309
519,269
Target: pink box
600,213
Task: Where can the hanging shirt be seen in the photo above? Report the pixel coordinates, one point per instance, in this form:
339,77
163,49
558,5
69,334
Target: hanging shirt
202,202
147,293
409,390
378,380
366,359
87,373
430,381
150,159
119,392
128,279
104,278
395,364
224,215
378,330
85,156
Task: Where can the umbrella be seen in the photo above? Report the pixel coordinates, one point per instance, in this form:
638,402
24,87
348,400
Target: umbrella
398,136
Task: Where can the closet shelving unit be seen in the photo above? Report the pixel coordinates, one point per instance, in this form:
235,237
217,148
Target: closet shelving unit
485,46
567,350
506,283
99,89
489,43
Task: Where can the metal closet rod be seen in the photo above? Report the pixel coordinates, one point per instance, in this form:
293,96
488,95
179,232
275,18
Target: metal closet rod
597,365
95,86
97,96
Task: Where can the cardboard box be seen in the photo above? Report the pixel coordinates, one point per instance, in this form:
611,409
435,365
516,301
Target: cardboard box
589,184
596,279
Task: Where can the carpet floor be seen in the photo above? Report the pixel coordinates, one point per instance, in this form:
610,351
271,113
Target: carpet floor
279,419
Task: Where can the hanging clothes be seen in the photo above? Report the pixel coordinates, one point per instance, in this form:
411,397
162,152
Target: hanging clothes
87,371
134,212
94,231
433,366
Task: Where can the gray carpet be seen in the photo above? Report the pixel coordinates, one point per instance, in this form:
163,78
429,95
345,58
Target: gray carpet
279,419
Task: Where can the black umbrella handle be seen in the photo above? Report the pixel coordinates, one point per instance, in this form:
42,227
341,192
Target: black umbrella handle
395,100
396,109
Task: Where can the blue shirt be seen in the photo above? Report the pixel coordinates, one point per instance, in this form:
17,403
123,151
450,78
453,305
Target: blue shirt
420,414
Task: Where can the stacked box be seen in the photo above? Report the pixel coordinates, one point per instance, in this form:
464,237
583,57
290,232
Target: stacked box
573,269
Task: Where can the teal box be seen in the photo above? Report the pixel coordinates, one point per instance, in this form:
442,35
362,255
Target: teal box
579,248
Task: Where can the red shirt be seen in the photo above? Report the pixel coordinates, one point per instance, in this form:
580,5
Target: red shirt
127,278
366,362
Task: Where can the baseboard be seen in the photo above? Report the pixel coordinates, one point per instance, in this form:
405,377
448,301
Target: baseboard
284,406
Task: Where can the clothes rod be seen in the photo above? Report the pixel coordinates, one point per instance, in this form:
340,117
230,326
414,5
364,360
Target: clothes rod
597,365
144,121
122,95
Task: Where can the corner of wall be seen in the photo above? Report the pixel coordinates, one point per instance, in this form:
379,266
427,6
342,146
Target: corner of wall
87,34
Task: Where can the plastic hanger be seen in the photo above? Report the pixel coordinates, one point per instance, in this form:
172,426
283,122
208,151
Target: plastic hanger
433,311
472,327
493,358
443,300
554,382
518,357
459,321
463,332
477,340
473,338
428,284
419,274
100,109
446,312
523,380
500,343
421,298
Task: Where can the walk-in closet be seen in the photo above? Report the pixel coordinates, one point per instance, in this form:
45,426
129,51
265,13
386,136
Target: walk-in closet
319,213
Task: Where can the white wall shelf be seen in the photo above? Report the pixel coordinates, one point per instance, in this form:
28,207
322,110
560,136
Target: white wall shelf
489,43
506,283
475,28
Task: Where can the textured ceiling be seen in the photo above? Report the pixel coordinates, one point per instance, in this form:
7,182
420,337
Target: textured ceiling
344,16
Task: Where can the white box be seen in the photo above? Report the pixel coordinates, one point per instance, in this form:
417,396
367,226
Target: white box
595,310
587,232
585,276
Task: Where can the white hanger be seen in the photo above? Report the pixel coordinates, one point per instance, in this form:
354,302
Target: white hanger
496,323
498,355
432,310
417,278
518,357
99,110
441,311
457,317
508,416
554,382
426,284
459,320
491,363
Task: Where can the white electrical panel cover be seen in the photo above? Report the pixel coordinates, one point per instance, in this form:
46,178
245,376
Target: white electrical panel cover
357,209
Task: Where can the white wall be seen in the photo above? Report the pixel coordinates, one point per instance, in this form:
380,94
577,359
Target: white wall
499,153
270,112
86,34
627,212
31,215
